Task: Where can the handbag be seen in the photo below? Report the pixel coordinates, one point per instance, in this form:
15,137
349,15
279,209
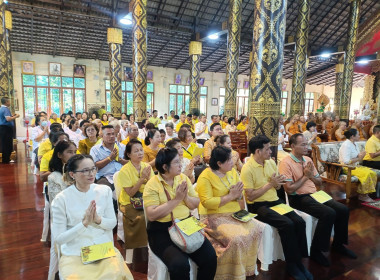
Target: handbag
137,201
187,243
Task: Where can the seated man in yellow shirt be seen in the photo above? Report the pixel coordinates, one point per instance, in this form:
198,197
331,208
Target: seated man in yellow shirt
155,120
372,148
216,130
133,133
182,121
261,180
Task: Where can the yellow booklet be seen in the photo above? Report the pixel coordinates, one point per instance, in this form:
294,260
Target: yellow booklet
321,196
198,151
190,225
97,252
282,209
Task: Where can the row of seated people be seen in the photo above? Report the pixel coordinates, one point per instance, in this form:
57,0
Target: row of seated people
82,212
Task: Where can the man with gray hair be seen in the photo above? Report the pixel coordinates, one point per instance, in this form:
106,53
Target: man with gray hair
133,133
169,127
6,129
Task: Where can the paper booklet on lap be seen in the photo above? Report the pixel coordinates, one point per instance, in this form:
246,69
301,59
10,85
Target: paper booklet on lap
198,151
321,196
97,252
190,225
243,216
282,209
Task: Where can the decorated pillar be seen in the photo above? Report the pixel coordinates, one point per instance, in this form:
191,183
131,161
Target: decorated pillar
233,51
4,83
139,58
115,40
266,68
195,52
349,60
8,28
338,84
300,60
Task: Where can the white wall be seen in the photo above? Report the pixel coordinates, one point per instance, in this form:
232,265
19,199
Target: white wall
162,77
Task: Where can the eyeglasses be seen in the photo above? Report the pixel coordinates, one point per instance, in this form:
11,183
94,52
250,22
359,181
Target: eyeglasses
87,172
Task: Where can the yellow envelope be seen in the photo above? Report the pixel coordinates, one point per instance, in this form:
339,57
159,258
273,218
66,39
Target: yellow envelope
190,225
282,208
198,151
321,196
97,252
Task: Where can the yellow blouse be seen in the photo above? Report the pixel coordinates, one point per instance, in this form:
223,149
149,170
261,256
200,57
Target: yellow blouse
44,166
236,159
209,146
105,122
45,147
154,195
241,127
55,121
150,154
211,188
85,146
126,141
127,178
189,151
223,124
178,126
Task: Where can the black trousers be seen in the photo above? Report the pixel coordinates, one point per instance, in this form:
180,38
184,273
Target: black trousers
175,259
6,134
290,226
329,214
371,164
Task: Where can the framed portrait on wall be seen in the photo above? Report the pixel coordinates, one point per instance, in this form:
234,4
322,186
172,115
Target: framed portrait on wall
149,75
27,67
128,75
79,71
178,78
201,81
214,102
55,69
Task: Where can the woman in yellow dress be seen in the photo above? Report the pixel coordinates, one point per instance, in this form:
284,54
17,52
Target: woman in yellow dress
349,154
92,133
243,124
132,179
152,146
221,194
105,119
225,141
188,145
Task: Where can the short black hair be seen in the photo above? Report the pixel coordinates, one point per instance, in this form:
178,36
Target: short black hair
107,126
56,163
221,139
149,136
221,154
310,124
293,138
213,126
4,100
176,117
56,127
154,111
351,132
128,147
56,136
376,129
189,115
257,143
162,131
82,123
72,122
230,119
165,157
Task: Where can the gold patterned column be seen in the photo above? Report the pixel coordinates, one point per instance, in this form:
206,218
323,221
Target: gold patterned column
115,40
4,83
233,51
297,105
266,74
349,60
139,59
338,84
195,52
8,28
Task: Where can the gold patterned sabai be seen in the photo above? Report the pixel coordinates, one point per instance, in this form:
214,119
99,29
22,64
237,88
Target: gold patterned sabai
114,35
4,82
266,75
115,78
195,74
233,52
338,83
297,105
195,47
139,59
348,71
8,20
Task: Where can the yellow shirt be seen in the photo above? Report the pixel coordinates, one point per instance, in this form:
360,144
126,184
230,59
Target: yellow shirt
211,188
195,121
255,176
150,155
372,146
223,124
127,178
85,146
154,195
155,121
241,127
191,125
189,151
178,126
55,121
104,122
209,146
45,147
126,141
44,166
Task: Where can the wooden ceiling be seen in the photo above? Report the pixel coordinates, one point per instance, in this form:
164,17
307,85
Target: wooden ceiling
78,28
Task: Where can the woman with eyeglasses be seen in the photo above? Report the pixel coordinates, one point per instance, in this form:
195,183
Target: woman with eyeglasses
220,192
132,179
172,192
83,215
92,133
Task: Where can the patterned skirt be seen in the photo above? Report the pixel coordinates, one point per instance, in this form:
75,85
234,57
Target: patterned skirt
367,179
235,243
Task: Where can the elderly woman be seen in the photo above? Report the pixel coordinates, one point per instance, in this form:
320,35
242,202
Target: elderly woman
339,133
83,215
132,179
187,165
188,144
170,131
92,133
168,195
230,127
221,194
225,141
349,154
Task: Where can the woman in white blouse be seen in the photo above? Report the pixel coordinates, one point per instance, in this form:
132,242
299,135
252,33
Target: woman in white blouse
349,154
83,215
